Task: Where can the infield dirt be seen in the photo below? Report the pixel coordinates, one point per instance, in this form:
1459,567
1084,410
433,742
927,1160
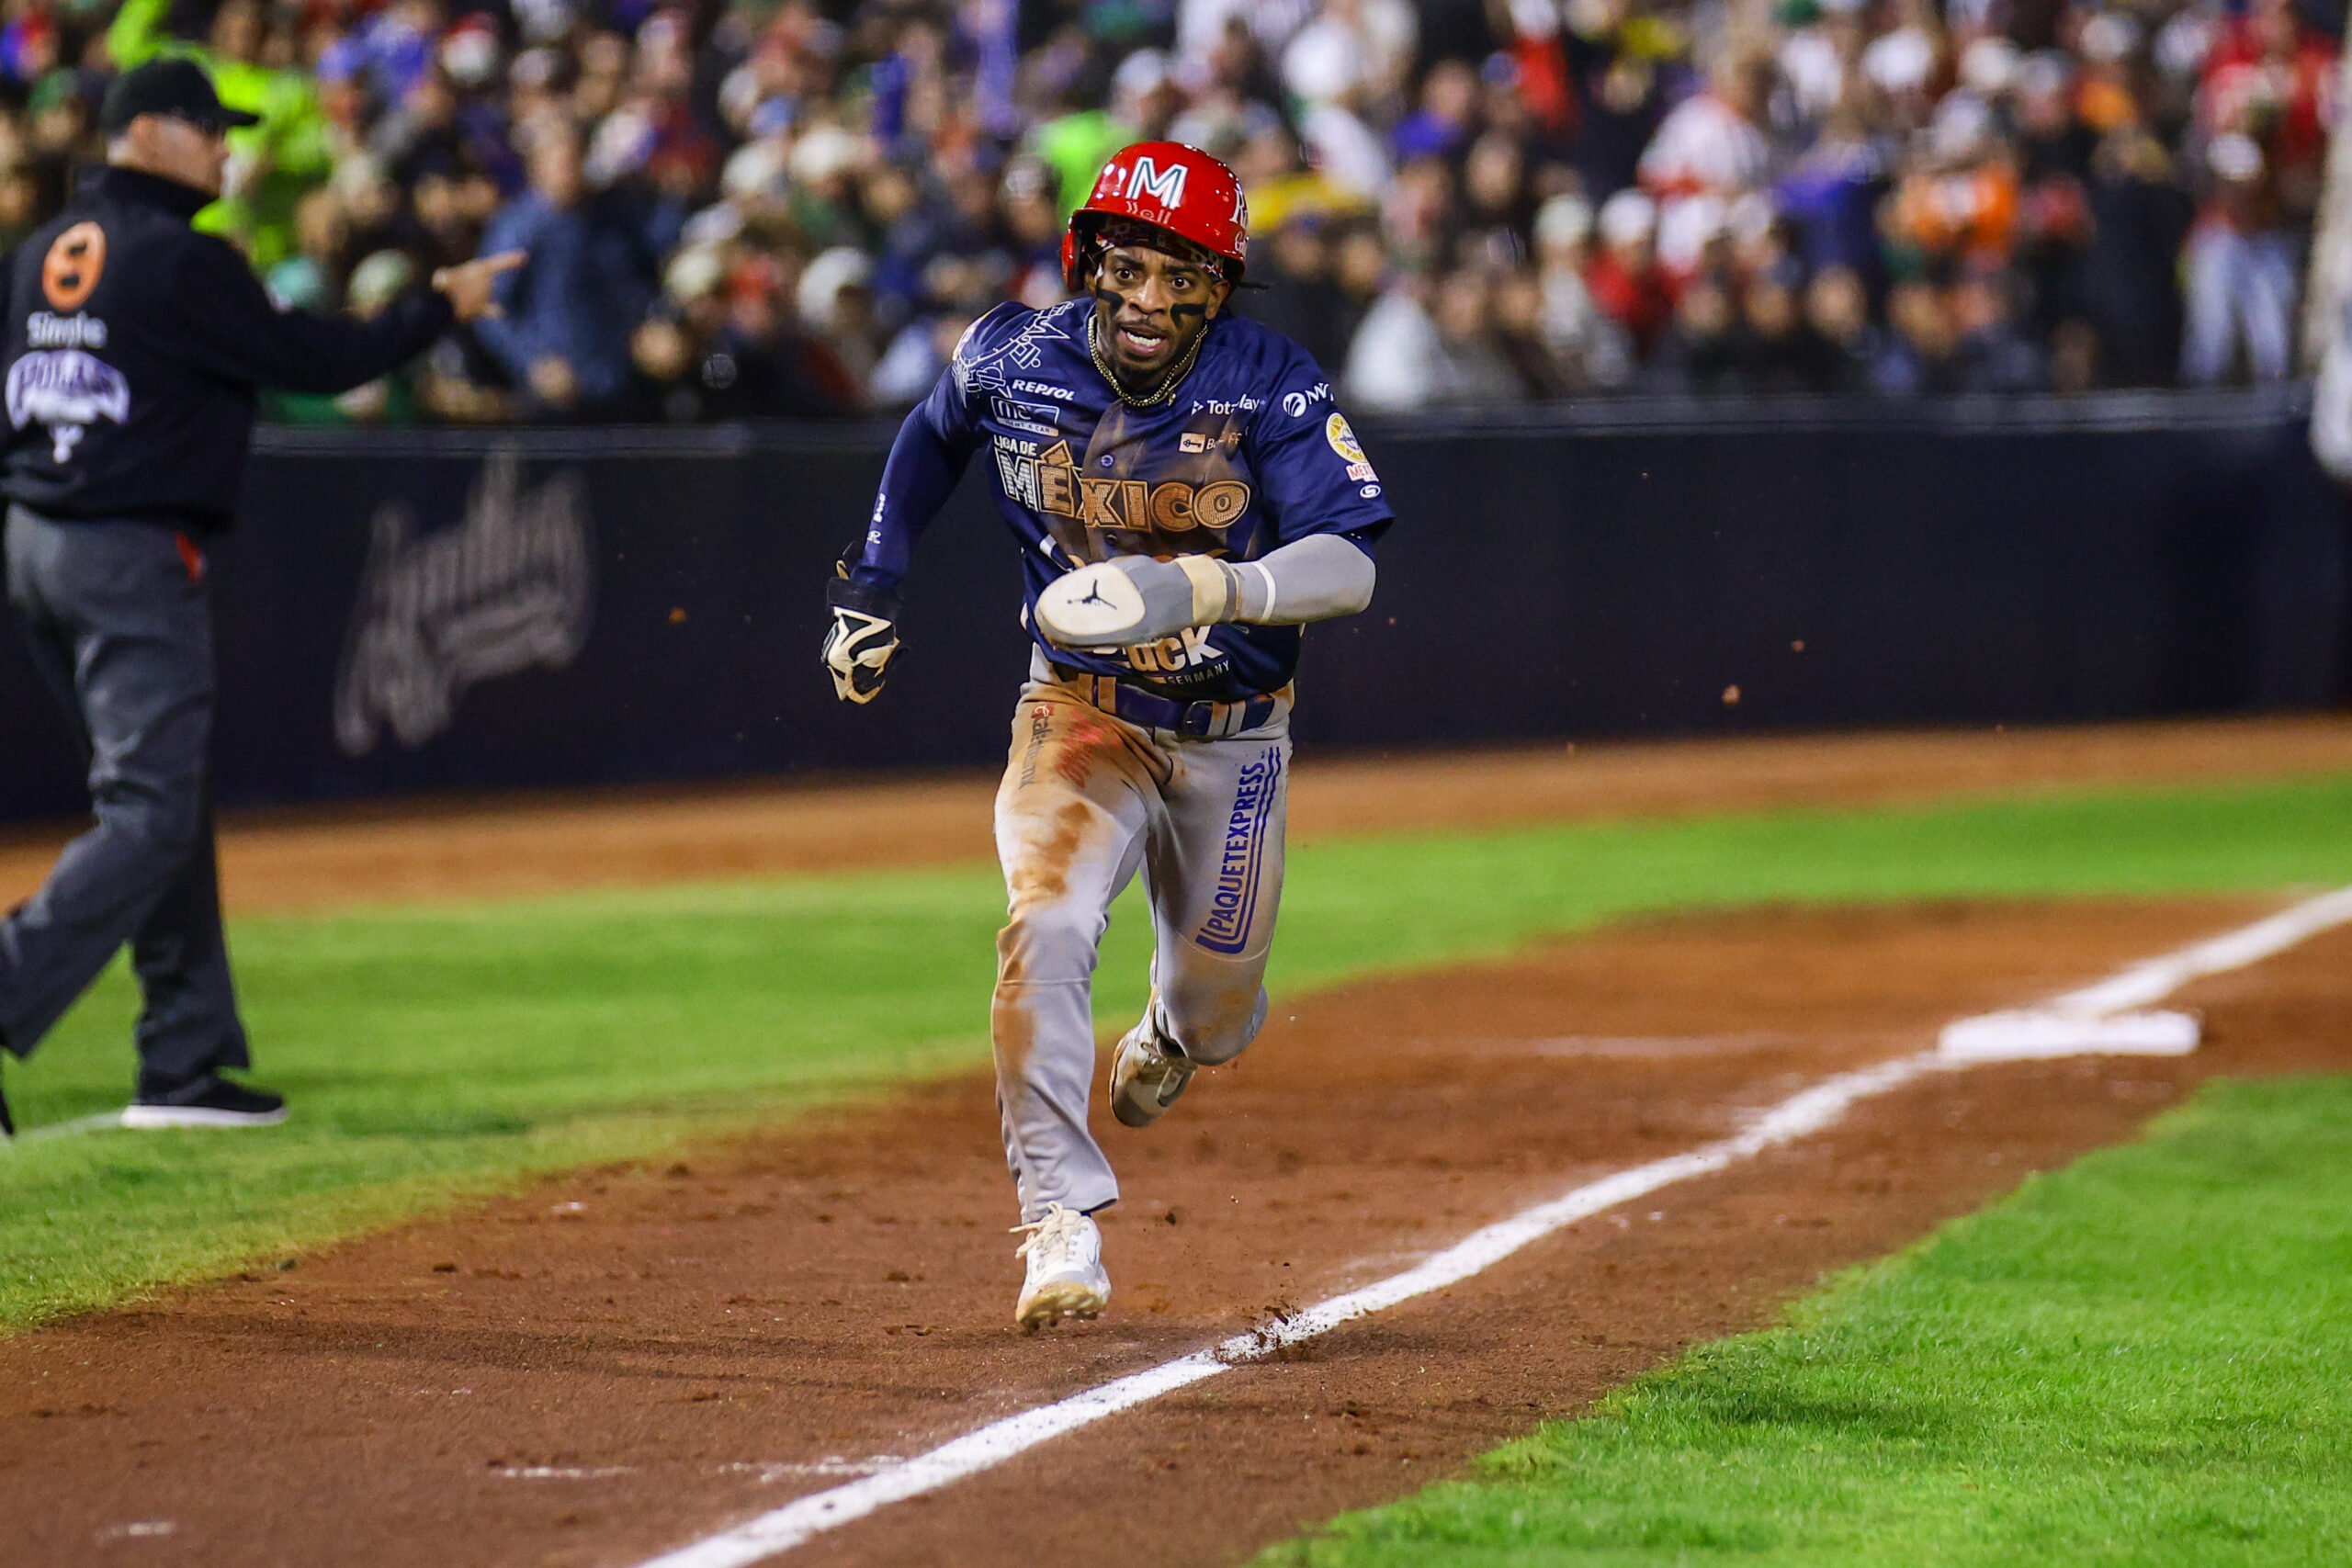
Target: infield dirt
624,1360
507,846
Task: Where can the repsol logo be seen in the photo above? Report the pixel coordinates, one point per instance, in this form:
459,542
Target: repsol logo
1052,484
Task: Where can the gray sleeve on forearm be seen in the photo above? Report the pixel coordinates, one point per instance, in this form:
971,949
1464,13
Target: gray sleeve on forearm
1312,579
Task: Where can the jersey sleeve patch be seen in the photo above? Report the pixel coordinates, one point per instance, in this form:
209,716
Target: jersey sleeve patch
1343,441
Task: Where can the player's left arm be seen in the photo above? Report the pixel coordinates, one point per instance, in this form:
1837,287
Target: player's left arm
1325,502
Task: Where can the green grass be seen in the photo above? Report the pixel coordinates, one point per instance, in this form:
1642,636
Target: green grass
432,1053
2145,1358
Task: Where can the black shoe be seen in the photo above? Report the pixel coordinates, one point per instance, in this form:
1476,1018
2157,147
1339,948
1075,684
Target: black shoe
208,1101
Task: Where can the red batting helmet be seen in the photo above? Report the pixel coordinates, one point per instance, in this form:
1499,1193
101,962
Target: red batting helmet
1170,186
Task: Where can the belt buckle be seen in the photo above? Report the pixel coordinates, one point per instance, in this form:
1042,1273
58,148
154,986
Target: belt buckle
1198,718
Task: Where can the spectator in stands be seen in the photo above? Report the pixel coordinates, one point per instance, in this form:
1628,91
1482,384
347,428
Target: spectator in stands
311,279
1593,350
1625,279
1443,126
1470,366
1831,195
1624,68
1701,351
1957,201
1709,150
2139,215
23,202
2269,77
1302,298
1075,141
1838,307
1516,311
1344,68
2055,229
927,153
2240,270
1360,265
1916,356
836,310
1394,361
393,398
1989,353
1431,342
1785,354
570,310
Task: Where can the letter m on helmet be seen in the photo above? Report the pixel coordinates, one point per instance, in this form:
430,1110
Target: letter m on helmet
1170,186
1165,187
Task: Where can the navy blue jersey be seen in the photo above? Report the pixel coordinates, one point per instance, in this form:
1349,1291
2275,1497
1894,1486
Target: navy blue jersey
1249,454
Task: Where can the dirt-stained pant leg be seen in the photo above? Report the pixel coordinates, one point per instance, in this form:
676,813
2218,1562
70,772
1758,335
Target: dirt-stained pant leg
1214,867
1079,795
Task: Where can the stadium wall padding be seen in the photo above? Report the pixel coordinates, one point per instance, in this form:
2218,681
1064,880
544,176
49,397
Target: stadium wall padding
624,605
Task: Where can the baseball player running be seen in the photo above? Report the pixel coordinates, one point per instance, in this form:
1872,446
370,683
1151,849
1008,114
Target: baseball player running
1186,498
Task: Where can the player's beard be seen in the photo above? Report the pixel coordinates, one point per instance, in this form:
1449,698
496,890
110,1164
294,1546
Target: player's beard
1155,386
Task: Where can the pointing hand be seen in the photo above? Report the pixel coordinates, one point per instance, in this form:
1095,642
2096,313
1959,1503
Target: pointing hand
468,285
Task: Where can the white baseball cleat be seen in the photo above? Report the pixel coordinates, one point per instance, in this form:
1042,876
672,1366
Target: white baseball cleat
1146,1075
1066,1275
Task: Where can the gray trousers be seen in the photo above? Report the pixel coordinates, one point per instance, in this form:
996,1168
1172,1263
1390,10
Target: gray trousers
1087,800
119,622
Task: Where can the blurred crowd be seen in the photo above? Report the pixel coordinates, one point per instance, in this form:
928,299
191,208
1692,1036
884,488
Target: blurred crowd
752,207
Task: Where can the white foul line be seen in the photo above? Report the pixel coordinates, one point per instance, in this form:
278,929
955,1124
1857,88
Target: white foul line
1802,1114
785,1527
2159,978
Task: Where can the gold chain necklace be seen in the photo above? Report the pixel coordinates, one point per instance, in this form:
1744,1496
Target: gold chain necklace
1176,372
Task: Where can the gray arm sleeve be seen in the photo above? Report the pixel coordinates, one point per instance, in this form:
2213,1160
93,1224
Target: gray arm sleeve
1312,579
1132,599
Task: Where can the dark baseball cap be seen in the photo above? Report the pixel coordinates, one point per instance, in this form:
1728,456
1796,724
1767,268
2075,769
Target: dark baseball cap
172,85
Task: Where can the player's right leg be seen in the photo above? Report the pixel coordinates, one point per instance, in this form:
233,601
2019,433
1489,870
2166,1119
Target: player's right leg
1071,814
189,1026
189,1029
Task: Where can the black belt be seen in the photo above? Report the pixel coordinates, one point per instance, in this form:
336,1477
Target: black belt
1149,710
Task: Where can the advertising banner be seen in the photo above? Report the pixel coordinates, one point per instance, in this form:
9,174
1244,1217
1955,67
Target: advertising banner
411,612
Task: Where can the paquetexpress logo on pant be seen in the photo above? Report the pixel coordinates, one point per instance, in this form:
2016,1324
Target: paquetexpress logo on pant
1234,906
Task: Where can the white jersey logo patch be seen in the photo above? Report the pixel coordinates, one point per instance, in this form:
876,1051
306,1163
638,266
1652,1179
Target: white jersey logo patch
995,369
69,391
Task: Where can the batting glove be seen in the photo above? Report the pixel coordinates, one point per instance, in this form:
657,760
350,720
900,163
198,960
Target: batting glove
864,636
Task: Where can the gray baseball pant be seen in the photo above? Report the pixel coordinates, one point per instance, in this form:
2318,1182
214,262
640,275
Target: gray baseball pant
118,621
1089,799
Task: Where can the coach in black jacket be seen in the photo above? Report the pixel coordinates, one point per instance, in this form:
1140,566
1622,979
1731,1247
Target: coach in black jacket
134,348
